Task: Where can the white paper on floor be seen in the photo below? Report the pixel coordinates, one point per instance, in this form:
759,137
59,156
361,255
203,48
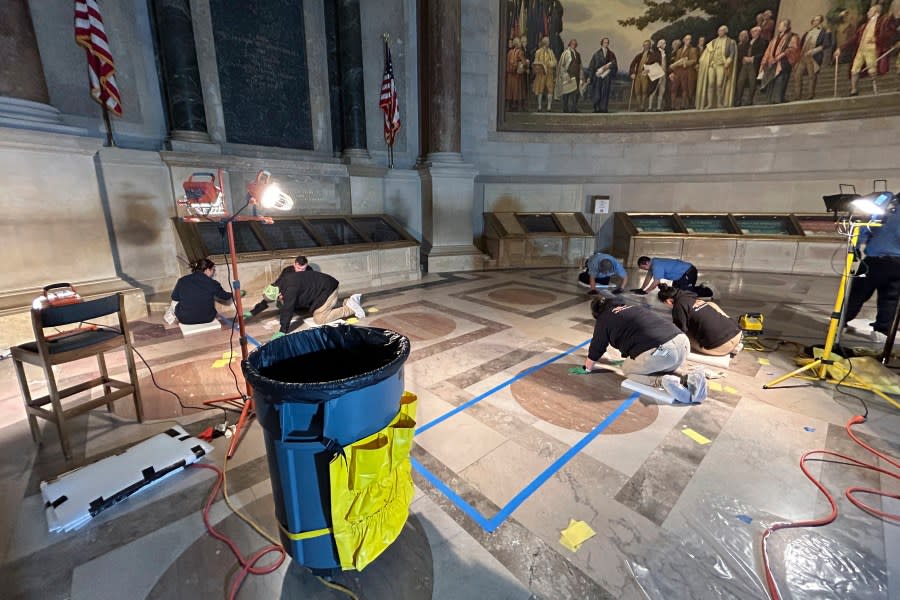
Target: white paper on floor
723,362
648,391
74,498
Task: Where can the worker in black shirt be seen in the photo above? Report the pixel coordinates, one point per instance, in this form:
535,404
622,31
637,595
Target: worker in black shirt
654,349
709,329
308,288
272,293
196,294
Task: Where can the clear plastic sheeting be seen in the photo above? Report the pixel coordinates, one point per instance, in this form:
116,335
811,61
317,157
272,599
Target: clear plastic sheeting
718,557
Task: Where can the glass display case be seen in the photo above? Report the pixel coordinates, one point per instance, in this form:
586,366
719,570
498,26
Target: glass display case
817,225
288,236
520,239
786,242
536,223
766,225
709,224
655,224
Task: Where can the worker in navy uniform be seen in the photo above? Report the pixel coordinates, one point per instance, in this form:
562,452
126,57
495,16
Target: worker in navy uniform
654,349
306,287
599,269
196,294
879,272
709,329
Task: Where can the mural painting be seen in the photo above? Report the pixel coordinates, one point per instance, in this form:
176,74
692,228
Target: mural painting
616,56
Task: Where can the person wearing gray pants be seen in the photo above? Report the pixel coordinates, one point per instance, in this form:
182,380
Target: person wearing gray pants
654,349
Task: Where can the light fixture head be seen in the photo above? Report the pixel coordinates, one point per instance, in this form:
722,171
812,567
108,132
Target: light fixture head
268,193
874,204
202,196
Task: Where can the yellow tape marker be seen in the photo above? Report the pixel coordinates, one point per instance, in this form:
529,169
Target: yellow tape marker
763,361
732,390
697,437
575,534
715,386
351,320
220,363
373,309
228,355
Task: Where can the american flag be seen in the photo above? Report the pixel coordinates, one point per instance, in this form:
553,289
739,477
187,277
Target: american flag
388,102
90,35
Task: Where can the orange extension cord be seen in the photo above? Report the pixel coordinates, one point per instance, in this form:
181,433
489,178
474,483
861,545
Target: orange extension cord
247,564
849,492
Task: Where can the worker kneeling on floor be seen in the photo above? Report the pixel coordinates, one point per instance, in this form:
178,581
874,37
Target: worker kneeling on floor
654,349
710,330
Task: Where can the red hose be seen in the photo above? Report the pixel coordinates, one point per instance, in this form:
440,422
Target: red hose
247,564
770,580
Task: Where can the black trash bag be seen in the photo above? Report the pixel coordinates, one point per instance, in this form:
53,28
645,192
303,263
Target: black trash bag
319,365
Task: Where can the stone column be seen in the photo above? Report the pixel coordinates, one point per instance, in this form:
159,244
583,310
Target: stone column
180,73
24,100
448,183
353,107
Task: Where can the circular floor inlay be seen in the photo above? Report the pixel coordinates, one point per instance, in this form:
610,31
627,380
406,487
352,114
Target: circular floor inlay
521,295
417,326
194,382
580,402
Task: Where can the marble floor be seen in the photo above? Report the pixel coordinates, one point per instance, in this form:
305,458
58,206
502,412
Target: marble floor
511,448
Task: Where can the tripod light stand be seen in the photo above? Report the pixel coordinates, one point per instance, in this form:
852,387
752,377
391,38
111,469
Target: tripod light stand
205,201
819,366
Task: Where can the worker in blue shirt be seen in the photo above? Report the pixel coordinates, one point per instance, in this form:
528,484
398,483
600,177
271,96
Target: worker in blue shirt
683,275
879,271
599,269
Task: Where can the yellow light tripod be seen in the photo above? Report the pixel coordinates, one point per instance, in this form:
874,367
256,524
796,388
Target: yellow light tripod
819,366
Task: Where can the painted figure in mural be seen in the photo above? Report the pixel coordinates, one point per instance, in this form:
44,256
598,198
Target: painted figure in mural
873,40
778,61
844,23
814,46
536,26
684,75
555,26
515,11
568,77
516,65
658,96
750,53
717,73
766,23
640,72
602,69
544,74
670,100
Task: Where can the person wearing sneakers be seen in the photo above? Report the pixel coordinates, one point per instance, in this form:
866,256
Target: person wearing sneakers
654,349
683,276
879,272
599,269
306,287
709,329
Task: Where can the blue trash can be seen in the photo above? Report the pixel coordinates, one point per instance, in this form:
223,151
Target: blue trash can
314,392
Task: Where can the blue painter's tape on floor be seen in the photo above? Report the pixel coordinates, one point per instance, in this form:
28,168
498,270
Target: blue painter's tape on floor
233,324
491,525
497,388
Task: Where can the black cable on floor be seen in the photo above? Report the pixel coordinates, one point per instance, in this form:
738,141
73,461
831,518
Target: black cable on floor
153,376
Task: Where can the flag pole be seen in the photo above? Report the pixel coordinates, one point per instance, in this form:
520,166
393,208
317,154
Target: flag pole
386,36
109,134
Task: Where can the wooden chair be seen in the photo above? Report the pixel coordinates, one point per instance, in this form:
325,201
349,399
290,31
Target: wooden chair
47,351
